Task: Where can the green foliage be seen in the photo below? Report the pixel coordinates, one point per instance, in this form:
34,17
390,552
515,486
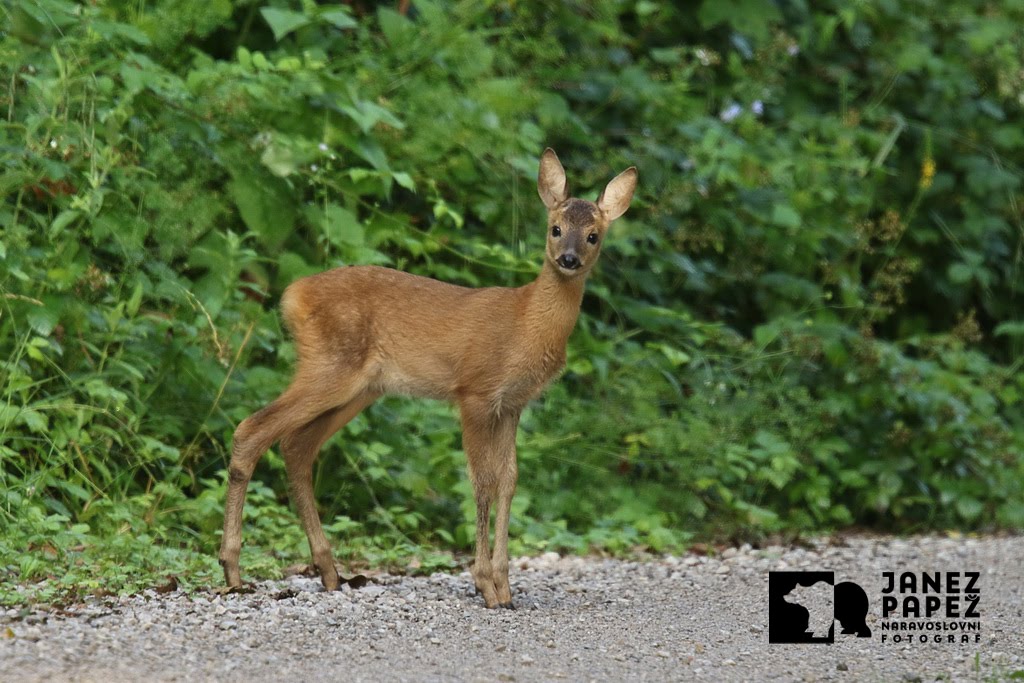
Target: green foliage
811,318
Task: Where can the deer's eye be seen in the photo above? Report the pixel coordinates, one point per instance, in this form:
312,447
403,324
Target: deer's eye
592,238
556,231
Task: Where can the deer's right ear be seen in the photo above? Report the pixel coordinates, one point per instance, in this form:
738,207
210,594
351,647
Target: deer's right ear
551,180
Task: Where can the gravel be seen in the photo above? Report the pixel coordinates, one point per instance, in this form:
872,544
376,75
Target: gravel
580,619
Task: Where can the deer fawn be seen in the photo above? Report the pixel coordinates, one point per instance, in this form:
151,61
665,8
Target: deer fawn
365,331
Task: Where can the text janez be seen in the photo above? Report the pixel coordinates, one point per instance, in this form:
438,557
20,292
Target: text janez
938,607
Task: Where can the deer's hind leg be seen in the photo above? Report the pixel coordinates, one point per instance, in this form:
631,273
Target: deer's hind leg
253,436
306,399
300,449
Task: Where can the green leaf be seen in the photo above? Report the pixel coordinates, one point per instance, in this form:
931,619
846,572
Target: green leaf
667,55
372,152
646,8
11,180
159,448
988,33
291,267
63,220
765,335
367,115
785,216
339,18
135,300
913,56
397,28
109,30
341,226
752,17
1010,328
676,357
73,489
282,22
266,206
34,420
43,319
280,159
960,273
969,508
404,180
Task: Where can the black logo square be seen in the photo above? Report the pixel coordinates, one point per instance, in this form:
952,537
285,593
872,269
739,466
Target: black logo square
804,606
789,621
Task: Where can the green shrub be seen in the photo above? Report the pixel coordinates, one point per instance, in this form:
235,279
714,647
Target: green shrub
810,319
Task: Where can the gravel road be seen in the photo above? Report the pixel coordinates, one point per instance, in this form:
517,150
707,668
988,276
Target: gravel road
580,619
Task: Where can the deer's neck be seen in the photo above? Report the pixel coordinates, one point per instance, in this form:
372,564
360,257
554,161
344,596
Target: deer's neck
552,306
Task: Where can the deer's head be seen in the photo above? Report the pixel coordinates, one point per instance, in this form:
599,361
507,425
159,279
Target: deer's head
576,227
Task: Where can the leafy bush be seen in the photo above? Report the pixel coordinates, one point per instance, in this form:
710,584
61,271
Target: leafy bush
810,319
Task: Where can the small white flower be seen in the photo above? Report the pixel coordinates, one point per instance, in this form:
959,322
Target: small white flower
53,144
314,168
793,50
731,112
323,146
757,107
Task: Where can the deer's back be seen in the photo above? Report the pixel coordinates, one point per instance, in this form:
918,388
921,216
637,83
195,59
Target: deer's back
414,335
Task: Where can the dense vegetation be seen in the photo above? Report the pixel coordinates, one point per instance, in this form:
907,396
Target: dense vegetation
812,318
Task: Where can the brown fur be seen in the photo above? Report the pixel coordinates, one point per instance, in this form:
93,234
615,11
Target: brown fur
365,331
579,211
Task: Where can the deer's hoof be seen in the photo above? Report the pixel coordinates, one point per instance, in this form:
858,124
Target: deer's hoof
232,575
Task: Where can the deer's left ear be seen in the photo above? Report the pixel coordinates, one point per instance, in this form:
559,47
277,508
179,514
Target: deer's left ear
615,198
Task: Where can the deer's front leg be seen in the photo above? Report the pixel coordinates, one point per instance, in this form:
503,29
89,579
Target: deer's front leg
508,472
486,439
482,571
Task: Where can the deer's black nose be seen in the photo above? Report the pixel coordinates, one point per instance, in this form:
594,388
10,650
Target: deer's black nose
569,261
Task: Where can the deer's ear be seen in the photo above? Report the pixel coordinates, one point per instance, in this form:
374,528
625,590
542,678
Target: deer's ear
551,180
615,198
